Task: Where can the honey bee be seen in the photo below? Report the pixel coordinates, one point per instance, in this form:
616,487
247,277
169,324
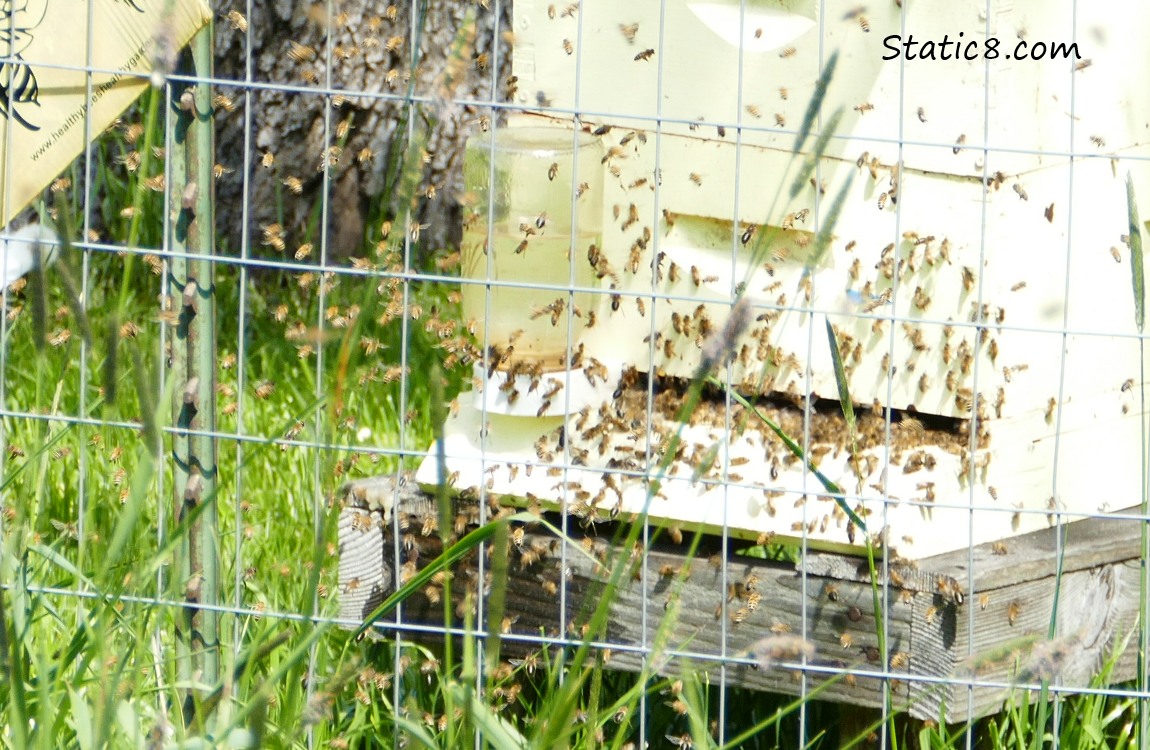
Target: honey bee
864,24
1083,65
552,171
950,590
899,660
521,248
645,55
568,47
882,200
1049,413
931,614
1049,213
864,108
964,400
264,389
1098,141
512,86
695,178
293,184
1021,191
854,270
999,402
632,217
1013,611
754,111
968,278
959,143
782,90
629,30
224,102
641,307
921,114
394,44
237,21
787,52
999,548
846,640
780,120
301,52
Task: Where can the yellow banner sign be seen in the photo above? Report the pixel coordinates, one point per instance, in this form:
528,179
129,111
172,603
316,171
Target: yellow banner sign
49,52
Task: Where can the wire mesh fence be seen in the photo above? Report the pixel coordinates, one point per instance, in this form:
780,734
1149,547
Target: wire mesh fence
608,365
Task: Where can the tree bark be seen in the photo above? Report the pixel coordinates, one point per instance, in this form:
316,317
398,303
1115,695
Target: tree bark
308,74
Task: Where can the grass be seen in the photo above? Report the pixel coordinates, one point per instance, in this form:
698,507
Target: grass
91,604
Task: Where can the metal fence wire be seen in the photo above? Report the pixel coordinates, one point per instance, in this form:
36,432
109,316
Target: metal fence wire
659,374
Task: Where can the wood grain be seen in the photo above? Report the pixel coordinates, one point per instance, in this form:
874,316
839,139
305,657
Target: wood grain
716,610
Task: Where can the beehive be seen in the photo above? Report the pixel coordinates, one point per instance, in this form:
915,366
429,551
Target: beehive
977,281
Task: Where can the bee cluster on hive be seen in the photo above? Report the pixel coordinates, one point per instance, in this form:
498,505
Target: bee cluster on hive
987,337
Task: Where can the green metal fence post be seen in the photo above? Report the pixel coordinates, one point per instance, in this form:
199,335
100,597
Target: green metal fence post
194,366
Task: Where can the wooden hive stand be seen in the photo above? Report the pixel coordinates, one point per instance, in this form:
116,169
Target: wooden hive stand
963,628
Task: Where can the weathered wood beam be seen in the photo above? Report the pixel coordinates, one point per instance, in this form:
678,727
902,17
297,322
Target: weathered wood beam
943,635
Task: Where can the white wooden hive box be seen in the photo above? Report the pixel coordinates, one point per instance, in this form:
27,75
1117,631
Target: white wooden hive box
1010,305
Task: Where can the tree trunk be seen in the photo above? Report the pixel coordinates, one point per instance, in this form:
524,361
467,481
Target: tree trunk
297,110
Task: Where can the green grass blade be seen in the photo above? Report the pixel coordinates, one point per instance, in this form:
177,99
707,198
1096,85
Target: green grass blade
416,731
816,102
826,231
811,161
449,557
497,732
841,381
497,596
797,450
1137,272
